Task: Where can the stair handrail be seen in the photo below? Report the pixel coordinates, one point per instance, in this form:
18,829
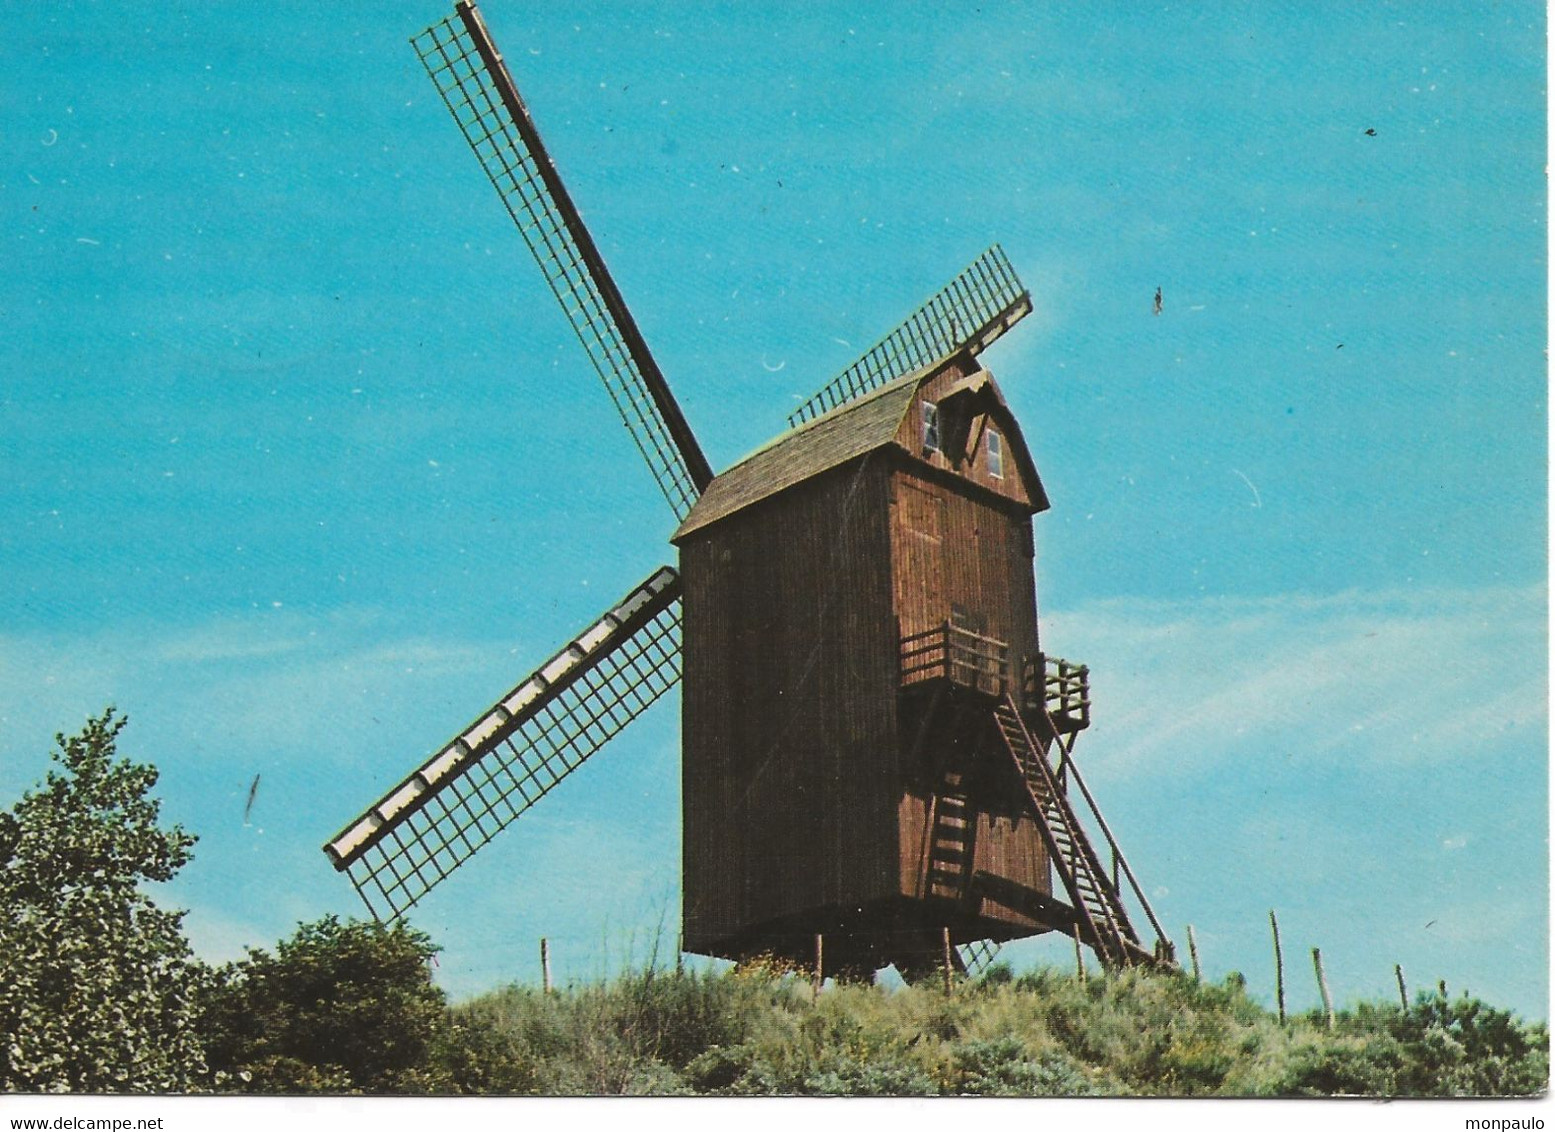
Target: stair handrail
1084,853
1112,842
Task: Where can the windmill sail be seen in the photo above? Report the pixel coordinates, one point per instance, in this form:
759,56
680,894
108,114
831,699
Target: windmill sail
969,312
475,84
510,757
978,956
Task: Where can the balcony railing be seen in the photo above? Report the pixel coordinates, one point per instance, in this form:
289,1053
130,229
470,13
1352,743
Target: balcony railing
965,658
1061,689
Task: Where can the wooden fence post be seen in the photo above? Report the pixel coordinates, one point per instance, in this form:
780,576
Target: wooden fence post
1079,960
947,960
545,963
1279,966
820,971
1322,986
1403,993
1193,954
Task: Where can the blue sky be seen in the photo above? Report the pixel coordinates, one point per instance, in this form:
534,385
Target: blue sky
303,468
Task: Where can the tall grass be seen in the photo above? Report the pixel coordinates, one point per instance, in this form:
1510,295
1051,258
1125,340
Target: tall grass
758,1031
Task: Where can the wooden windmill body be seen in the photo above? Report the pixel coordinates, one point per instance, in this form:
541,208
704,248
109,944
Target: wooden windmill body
813,756
876,750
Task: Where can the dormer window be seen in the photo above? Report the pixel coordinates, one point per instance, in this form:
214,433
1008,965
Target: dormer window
931,427
995,454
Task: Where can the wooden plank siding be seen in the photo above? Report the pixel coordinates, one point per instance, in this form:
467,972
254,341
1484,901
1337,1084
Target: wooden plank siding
789,707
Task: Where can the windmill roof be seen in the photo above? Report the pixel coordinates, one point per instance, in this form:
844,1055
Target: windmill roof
834,438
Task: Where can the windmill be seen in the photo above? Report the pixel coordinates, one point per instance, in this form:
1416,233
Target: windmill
876,751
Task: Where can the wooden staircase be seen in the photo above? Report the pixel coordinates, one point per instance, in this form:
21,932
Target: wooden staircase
950,841
1102,922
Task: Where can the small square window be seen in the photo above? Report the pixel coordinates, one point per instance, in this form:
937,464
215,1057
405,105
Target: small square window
995,455
930,427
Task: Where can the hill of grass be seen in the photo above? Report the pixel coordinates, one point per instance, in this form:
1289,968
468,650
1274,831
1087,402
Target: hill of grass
762,1032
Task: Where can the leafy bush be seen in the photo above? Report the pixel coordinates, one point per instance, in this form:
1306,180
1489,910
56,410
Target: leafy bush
340,1007
1464,1047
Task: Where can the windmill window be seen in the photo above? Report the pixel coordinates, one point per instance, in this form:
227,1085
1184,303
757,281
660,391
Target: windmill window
930,427
995,455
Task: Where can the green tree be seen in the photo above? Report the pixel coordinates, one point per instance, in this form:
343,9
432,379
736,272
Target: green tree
340,1007
100,988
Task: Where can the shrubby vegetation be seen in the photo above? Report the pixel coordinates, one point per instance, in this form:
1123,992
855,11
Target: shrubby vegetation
1041,1034
101,994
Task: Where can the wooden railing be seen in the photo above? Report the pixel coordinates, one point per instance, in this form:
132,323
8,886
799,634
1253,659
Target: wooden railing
1061,690
961,656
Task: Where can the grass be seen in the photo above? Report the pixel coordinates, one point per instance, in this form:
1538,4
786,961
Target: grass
759,1031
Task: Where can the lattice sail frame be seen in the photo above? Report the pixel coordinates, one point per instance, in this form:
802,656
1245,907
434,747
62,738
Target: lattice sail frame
976,957
480,94
969,312
515,753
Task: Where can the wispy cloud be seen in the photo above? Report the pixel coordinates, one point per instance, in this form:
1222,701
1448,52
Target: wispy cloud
1403,676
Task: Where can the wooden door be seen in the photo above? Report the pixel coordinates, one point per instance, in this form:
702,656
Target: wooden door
920,560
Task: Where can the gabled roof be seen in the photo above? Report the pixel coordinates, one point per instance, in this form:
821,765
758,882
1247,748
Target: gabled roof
849,430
